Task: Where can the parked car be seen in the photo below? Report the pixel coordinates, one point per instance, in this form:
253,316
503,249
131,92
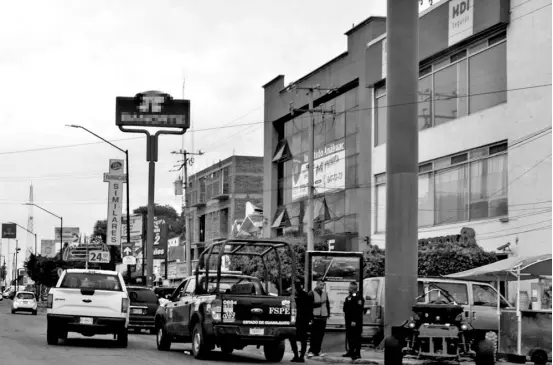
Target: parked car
24,301
89,302
144,303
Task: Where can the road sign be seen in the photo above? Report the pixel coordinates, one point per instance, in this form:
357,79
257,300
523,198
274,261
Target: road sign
9,230
127,249
152,109
129,260
97,256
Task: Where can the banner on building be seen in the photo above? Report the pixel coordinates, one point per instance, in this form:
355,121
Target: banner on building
329,174
9,230
115,178
48,248
160,240
461,20
70,234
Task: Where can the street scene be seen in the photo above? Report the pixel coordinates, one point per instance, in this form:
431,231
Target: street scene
276,182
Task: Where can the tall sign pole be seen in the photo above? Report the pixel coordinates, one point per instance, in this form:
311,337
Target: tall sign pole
152,109
402,154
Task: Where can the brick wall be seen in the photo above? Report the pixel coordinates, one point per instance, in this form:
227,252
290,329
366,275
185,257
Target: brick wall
247,184
249,164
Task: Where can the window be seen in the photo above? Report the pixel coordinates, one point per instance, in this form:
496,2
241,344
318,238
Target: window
380,114
142,296
85,280
488,78
465,187
466,82
456,290
486,296
370,289
26,296
190,288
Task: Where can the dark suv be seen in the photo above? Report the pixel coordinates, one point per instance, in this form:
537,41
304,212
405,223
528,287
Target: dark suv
143,308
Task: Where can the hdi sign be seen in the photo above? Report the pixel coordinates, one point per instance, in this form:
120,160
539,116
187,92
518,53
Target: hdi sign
116,178
461,20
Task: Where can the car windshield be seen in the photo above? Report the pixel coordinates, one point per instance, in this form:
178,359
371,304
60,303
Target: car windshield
26,296
235,285
86,280
142,295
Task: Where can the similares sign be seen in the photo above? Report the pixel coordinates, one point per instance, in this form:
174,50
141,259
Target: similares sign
116,178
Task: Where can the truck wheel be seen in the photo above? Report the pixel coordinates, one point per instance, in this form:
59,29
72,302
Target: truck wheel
51,335
539,357
274,352
162,340
199,346
123,339
484,353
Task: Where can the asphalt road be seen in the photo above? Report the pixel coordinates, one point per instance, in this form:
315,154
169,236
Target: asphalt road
23,342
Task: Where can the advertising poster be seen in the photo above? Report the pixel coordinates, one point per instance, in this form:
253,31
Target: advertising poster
116,179
160,240
329,174
337,272
71,235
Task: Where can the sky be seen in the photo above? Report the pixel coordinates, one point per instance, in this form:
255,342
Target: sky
65,62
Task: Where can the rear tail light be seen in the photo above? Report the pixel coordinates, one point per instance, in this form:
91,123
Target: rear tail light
125,305
50,301
216,310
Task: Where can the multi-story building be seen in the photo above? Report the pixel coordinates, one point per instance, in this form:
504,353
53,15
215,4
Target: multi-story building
484,121
218,195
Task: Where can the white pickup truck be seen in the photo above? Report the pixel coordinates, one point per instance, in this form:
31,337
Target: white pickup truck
89,302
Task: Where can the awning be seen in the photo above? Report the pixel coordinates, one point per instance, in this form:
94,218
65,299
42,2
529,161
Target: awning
320,211
281,220
282,152
530,267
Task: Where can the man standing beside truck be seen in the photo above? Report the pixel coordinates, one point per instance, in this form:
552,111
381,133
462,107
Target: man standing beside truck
321,312
353,312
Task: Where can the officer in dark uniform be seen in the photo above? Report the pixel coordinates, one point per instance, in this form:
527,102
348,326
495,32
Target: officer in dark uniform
353,312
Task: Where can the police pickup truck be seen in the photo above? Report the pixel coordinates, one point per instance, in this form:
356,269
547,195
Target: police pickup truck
232,315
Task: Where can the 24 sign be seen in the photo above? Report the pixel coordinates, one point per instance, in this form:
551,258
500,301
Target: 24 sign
98,256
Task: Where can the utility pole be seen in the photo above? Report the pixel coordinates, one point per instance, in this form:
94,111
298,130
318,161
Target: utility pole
310,160
187,219
402,154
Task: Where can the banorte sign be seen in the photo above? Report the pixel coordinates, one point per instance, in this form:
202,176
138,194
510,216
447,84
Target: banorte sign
116,178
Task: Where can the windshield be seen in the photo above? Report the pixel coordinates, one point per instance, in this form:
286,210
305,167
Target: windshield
142,295
235,285
25,296
94,281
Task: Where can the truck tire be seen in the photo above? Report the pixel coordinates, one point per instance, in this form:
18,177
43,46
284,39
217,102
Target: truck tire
200,348
539,357
123,339
51,335
162,339
274,352
484,353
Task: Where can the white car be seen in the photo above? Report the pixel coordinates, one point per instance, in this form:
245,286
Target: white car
89,302
24,301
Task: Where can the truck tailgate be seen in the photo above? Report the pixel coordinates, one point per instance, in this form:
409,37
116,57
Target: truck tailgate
256,310
101,303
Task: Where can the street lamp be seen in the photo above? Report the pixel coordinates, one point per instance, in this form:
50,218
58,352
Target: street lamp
126,152
61,224
33,233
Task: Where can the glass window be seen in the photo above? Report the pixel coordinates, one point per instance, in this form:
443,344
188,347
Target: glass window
370,288
451,188
380,208
488,78
488,187
485,295
305,140
289,128
425,103
191,287
330,123
319,131
420,292
26,296
88,280
336,204
339,124
380,114
457,290
352,98
352,121
350,224
445,95
351,171
426,200
142,295
352,145
295,145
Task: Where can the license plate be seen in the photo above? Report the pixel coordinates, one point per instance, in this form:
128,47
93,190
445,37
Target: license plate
86,320
136,311
257,331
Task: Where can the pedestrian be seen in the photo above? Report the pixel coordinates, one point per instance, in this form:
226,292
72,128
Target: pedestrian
321,311
354,306
303,317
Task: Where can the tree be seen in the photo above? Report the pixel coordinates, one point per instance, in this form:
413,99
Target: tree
175,223
100,229
44,270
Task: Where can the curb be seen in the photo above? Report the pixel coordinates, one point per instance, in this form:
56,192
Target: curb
341,360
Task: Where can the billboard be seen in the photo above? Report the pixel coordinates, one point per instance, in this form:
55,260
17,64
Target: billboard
160,240
48,248
70,234
152,109
115,178
337,270
329,174
9,230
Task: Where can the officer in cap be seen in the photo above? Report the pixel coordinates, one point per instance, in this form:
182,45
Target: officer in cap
353,313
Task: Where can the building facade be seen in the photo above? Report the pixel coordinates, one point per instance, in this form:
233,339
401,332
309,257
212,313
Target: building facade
484,141
218,196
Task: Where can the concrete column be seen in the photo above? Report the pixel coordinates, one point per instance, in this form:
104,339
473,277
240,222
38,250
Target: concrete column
401,165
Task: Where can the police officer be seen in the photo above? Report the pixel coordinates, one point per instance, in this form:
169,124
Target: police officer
353,313
303,317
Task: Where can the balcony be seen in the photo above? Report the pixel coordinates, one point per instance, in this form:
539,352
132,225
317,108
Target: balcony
199,202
